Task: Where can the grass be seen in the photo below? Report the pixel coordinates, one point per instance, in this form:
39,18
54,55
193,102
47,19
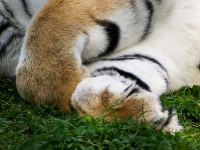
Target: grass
23,126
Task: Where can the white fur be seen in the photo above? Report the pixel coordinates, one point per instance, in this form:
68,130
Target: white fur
79,46
174,41
96,34
35,5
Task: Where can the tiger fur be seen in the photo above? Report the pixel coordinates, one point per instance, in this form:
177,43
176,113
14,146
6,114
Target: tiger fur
15,16
89,55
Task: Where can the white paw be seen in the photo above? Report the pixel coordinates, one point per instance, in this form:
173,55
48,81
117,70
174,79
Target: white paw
172,123
98,93
94,95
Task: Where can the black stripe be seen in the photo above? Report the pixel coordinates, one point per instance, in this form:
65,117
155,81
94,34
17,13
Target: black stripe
8,14
7,8
128,88
4,26
166,122
135,56
113,36
198,66
128,75
25,5
8,42
139,56
9,20
130,57
171,112
149,7
135,90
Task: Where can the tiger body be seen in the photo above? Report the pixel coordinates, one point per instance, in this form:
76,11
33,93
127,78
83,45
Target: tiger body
93,54
15,16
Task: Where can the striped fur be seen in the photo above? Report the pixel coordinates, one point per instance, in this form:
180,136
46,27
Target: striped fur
15,16
120,53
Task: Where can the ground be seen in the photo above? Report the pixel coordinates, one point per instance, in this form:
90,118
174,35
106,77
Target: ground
24,126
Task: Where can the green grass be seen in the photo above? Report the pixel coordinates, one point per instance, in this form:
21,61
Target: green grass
23,126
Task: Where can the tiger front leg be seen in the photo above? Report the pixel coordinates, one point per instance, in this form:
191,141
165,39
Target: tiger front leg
50,65
110,97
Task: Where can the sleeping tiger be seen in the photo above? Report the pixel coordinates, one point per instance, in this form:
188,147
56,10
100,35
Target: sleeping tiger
122,54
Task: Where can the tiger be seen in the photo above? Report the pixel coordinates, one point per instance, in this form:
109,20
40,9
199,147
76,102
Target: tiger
15,16
118,55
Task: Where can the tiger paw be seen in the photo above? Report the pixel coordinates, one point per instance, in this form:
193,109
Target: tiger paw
111,97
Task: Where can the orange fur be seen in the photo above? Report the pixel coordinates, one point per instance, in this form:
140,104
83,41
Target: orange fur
50,71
